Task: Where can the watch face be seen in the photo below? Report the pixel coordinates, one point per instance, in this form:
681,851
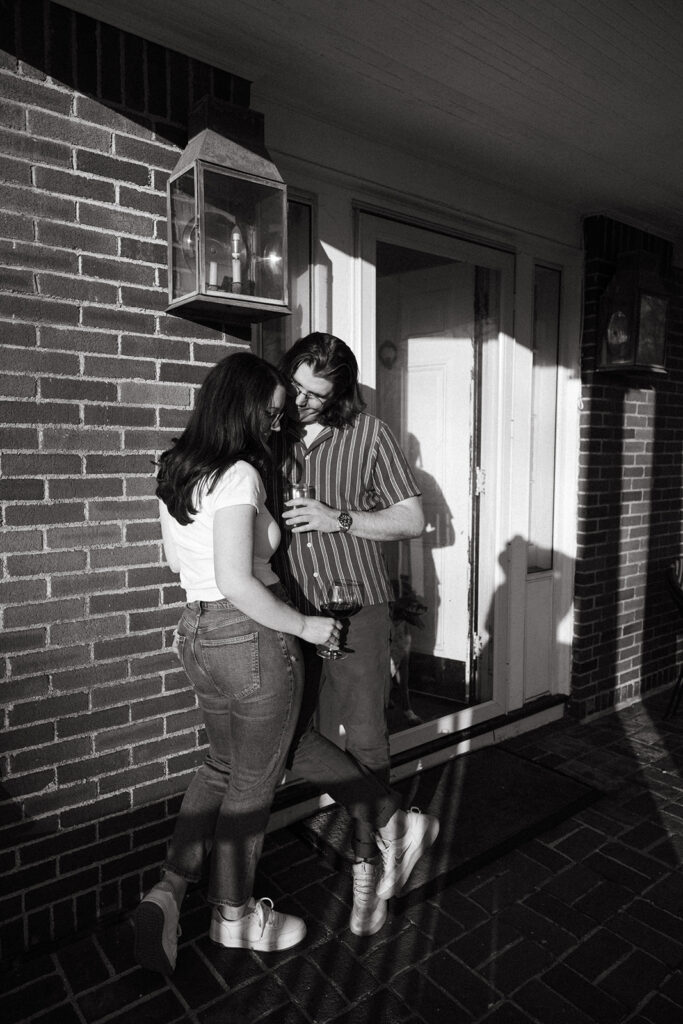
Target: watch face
345,521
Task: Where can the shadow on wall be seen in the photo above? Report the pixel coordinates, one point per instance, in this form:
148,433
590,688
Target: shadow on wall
545,648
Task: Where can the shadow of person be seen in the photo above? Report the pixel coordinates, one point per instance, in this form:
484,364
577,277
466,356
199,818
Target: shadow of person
413,564
542,579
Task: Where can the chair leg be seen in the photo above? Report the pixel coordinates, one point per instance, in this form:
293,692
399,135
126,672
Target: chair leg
675,696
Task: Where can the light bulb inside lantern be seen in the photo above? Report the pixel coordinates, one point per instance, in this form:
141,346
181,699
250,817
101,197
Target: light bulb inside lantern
272,253
236,255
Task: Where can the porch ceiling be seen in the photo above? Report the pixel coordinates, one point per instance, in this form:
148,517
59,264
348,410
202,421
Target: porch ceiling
575,102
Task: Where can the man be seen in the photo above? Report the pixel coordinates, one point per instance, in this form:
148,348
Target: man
365,494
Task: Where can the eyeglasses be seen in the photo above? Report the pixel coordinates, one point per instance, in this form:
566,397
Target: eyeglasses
275,415
308,396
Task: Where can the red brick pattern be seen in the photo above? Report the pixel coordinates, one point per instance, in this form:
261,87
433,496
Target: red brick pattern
99,729
630,498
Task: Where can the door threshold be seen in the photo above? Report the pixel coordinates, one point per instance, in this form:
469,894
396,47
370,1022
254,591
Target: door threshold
298,800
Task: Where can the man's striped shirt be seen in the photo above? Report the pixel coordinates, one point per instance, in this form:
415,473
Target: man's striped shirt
358,468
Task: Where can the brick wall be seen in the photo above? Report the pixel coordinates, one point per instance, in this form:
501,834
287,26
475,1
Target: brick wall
99,730
630,492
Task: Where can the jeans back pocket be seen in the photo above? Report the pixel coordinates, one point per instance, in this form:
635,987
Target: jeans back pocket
232,664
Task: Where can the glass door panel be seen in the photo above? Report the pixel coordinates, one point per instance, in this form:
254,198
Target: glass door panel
437,306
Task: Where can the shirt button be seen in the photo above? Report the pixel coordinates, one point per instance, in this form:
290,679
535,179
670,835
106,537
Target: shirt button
309,545
316,575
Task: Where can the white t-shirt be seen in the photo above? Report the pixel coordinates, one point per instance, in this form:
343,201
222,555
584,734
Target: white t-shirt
239,485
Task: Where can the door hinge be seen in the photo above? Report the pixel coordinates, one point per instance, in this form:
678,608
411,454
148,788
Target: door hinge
480,482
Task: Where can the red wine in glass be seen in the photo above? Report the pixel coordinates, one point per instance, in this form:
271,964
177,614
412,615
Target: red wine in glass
343,598
337,608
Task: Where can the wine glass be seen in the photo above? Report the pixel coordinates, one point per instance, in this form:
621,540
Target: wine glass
342,599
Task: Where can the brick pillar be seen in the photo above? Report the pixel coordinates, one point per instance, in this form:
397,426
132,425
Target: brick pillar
629,498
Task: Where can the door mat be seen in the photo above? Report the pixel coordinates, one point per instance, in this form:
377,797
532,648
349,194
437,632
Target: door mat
488,802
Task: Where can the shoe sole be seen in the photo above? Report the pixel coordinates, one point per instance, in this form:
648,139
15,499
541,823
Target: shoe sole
149,952
256,944
411,860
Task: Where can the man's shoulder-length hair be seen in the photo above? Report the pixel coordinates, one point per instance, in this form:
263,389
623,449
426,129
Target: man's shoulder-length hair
331,358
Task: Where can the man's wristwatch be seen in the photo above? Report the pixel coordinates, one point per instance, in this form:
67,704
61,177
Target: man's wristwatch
344,520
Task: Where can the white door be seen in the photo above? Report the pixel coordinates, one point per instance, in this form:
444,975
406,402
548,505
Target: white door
434,375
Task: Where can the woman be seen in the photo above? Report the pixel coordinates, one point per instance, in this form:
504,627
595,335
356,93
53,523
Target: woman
237,641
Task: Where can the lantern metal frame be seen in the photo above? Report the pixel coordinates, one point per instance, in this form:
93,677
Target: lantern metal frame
248,204
633,318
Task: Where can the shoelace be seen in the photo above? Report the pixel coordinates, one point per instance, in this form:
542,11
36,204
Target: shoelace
364,886
266,912
364,894
387,844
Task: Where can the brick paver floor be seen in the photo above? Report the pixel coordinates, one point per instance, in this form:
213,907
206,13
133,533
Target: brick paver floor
581,925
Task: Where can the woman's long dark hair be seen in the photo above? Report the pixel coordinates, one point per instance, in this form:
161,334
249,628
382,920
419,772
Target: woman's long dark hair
229,422
331,358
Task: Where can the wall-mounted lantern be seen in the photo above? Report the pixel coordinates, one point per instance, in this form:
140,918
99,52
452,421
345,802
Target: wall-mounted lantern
633,316
227,220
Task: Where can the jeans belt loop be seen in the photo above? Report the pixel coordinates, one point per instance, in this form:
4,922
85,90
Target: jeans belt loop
197,619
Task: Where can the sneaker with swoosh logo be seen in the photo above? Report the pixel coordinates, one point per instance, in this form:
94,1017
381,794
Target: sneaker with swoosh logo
399,856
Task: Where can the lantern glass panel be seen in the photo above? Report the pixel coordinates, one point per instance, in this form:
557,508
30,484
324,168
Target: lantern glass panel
244,237
280,333
619,340
652,330
183,223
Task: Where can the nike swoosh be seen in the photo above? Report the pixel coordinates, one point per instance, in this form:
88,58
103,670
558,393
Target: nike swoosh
399,859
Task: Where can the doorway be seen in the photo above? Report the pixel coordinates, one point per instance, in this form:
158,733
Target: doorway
435,308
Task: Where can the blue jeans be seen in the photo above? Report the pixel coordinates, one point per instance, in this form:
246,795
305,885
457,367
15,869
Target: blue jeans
249,684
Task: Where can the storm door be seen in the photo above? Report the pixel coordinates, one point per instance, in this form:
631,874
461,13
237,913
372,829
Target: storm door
433,308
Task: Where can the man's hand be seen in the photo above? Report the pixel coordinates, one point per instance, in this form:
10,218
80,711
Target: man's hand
306,514
397,522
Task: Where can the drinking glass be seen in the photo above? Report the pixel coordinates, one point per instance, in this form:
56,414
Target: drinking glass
294,491
342,599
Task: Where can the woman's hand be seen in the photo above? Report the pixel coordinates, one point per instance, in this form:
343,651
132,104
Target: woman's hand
319,629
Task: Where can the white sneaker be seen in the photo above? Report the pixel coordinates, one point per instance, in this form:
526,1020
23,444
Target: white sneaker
262,928
369,911
399,856
156,931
